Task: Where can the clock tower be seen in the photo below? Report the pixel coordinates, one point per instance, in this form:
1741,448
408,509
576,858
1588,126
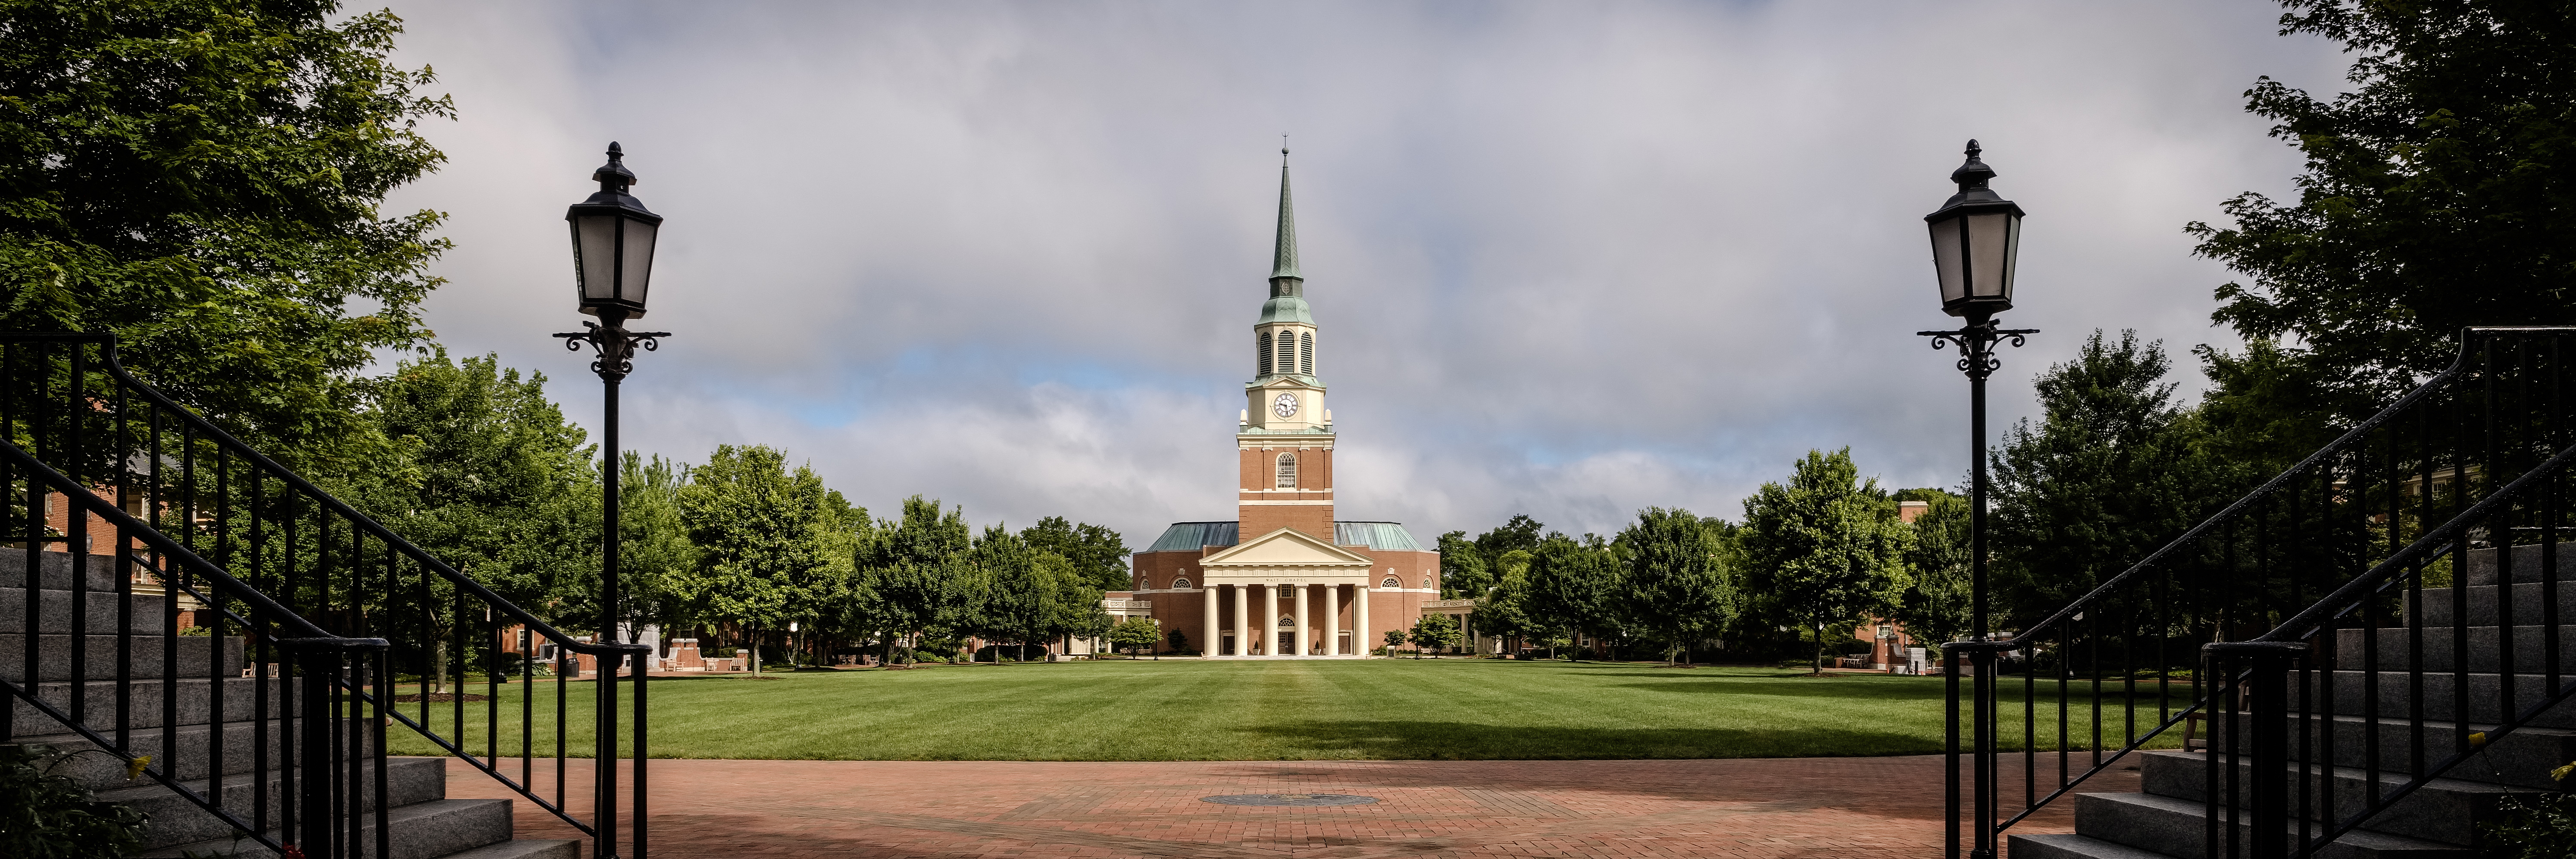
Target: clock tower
1285,435
1283,579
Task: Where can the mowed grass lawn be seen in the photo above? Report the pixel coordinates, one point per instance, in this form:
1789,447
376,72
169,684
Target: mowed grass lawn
1290,710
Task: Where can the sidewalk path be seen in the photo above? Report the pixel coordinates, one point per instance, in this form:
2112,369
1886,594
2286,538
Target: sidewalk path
1781,807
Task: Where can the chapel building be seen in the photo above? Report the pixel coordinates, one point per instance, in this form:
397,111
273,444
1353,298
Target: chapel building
1284,579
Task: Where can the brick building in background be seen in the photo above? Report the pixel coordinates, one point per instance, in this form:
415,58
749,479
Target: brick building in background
1284,579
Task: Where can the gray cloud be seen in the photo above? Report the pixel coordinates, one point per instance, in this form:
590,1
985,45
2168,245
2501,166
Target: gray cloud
1569,259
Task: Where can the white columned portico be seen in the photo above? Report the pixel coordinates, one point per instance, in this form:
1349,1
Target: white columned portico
1209,648
1339,647
1265,596
1242,626
1360,633
1299,589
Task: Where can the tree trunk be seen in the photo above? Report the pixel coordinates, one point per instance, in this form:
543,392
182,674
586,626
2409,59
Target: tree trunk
755,652
437,681
1819,667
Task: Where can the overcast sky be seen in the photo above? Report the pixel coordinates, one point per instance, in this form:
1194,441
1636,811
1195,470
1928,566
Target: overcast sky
1568,259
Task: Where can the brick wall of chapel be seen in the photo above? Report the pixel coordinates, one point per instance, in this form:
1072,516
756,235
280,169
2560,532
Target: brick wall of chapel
1258,471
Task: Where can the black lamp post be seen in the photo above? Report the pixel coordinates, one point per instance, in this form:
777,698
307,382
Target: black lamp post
612,260
612,257
1975,237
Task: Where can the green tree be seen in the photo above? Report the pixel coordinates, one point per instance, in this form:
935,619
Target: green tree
1030,595
1465,573
758,529
1676,589
2438,193
1098,554
1574,586
1521,533
1433,631
1136,632
1394,639
1825,547
482,472
1937,605
916,571
2106,477
204,179
1504,610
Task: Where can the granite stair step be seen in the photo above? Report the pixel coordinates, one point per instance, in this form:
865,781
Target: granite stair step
2395,648
2176,827
146,659
193,695
2448,810
149,614
2529,604
2521,758
2438,701
422,830
174,819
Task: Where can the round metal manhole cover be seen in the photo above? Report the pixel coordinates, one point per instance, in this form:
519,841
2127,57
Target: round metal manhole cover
1289,799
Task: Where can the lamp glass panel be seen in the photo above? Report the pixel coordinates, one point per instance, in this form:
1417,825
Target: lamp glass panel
1988,234
1945,259
2012,254
594,252
638,274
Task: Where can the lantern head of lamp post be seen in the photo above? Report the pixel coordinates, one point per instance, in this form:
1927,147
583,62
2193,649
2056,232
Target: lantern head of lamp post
1975,238
612,244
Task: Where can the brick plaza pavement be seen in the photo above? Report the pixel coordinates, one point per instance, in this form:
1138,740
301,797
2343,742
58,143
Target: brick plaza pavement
1779,807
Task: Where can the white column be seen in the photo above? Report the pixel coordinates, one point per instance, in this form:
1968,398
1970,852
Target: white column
1214,635
1362,637
1242,622
1300,590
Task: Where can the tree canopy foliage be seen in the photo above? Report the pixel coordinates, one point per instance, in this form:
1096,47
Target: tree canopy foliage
2439,193
205,180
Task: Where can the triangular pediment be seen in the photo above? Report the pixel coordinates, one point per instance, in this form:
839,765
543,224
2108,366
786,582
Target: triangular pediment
1286,547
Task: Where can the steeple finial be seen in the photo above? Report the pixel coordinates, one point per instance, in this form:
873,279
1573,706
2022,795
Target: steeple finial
1283,260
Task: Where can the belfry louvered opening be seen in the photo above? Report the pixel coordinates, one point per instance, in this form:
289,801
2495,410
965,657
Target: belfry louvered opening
1287,352
1262,342
1306,353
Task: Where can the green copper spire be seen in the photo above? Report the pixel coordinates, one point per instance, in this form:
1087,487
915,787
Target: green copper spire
1284,279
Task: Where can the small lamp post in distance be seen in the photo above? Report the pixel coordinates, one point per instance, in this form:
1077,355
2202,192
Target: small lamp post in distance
612,256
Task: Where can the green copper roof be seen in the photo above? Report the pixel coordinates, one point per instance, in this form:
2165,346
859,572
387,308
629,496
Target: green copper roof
1194,536
1285,308
1283,260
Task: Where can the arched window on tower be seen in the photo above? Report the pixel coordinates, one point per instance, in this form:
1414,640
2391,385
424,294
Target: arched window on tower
1180,584
1287,353
1287,471
1306,353
1263,342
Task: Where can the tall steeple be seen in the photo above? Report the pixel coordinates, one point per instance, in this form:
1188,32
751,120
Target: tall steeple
1284,279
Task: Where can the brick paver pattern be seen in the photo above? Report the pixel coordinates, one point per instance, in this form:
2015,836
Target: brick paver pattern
1837,807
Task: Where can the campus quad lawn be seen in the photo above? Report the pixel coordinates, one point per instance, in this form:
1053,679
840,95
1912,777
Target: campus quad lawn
1188,709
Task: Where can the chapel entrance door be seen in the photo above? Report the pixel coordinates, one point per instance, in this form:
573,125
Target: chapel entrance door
1288,644
1227,649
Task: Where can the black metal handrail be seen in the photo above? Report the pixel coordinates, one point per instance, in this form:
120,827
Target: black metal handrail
2326,525
318,556
333,792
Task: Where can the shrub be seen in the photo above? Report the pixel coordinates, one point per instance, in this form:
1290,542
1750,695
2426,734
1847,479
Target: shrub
2538,827
48,816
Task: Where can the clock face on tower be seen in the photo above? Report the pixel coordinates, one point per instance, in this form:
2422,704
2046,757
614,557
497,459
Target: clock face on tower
1285,406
